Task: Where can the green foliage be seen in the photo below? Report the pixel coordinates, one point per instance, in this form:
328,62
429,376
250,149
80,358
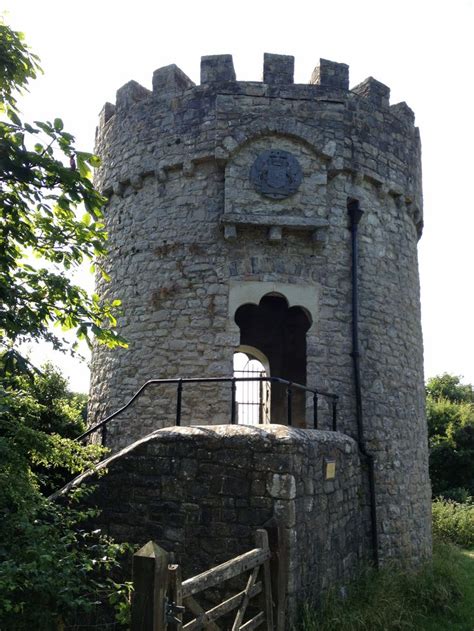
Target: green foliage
43,181
450,414
40,417
60,411
449,387
52,569
53,573
17,66
454,521
397,599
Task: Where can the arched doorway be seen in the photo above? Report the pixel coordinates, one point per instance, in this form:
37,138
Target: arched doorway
252,397
279,332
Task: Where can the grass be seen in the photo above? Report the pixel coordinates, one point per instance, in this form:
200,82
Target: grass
439,597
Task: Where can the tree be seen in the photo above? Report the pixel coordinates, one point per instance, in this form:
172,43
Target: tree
51,568
450,414
449,387
40,196
50,410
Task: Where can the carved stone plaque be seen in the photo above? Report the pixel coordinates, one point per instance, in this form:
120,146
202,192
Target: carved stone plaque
276,174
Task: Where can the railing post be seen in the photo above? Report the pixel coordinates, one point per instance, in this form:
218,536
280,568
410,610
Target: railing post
179,395
104,435
334,414
315,410
150,582
289,403
232,405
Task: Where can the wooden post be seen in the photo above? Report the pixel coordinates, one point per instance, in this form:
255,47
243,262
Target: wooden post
261,539
278,571
150,582
175,595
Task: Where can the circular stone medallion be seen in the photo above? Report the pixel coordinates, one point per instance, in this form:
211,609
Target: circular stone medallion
276,174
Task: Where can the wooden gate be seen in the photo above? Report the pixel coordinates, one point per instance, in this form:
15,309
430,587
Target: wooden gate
162,601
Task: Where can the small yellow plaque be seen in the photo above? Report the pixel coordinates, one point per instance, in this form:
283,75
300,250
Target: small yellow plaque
330,469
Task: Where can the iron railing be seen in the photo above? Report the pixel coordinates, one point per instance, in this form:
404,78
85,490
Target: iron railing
290,386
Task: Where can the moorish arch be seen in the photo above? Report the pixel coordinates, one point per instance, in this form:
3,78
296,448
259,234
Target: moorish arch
278,331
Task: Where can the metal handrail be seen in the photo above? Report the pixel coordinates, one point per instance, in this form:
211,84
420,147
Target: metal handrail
232,380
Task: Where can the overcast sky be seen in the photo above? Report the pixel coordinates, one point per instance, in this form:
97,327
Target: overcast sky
422,49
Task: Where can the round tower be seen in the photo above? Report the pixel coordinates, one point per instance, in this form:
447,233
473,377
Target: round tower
277,223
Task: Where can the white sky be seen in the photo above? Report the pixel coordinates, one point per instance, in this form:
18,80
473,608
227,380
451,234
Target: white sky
422,49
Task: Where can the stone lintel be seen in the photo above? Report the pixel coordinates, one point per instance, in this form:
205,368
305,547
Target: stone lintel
374,91
281,221
217,69
330,74
170,80
278,69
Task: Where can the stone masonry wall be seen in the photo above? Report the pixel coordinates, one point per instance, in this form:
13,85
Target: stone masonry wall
202,492
187,230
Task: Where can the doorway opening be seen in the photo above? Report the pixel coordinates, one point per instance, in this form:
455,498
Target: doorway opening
278,332
252,397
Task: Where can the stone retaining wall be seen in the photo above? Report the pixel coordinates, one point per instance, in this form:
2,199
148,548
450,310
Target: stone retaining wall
202,492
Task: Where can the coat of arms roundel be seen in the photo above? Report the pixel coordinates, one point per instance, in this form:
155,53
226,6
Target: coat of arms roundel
276,174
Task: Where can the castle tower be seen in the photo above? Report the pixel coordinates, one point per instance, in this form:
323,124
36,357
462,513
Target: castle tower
229,216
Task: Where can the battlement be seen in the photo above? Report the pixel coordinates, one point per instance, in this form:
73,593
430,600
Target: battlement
178,124
217,73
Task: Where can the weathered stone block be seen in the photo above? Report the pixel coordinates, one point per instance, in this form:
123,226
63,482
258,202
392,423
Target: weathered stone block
170,80
374,91
217,69
106,113
129,94
278,69
330,74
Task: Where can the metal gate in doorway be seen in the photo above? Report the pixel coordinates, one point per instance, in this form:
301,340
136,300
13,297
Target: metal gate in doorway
252,397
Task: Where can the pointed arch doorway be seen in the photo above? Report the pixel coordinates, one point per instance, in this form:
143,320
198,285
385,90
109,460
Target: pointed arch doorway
278,332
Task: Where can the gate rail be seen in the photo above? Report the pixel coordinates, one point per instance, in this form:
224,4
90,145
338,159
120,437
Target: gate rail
180,382
162,601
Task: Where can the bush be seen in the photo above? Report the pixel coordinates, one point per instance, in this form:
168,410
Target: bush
53,572
454,522
450,415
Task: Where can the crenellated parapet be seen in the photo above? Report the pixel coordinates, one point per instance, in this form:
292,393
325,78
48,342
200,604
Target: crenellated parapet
178,124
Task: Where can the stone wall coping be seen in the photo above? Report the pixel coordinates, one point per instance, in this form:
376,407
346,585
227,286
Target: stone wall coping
235,436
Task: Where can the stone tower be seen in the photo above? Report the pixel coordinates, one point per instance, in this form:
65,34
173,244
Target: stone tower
230,207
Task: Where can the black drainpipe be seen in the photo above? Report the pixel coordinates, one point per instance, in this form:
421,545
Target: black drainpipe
355,214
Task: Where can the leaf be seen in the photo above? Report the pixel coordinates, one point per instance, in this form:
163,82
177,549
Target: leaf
13,117
95,161
58,124
82,165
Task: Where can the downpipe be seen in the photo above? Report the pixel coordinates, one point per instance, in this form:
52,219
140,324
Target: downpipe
355,215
